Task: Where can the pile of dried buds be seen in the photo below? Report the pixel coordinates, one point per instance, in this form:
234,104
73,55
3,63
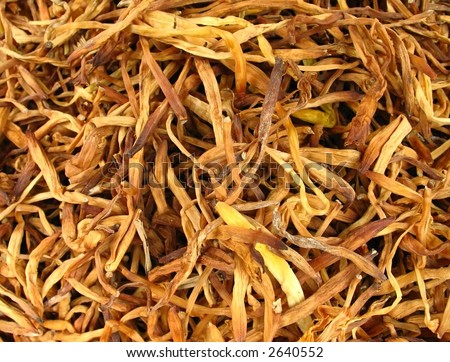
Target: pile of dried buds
255,170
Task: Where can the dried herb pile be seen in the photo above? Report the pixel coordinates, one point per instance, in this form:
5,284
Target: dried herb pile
256,170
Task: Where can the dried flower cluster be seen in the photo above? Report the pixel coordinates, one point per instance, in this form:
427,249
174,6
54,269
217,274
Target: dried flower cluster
255,170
